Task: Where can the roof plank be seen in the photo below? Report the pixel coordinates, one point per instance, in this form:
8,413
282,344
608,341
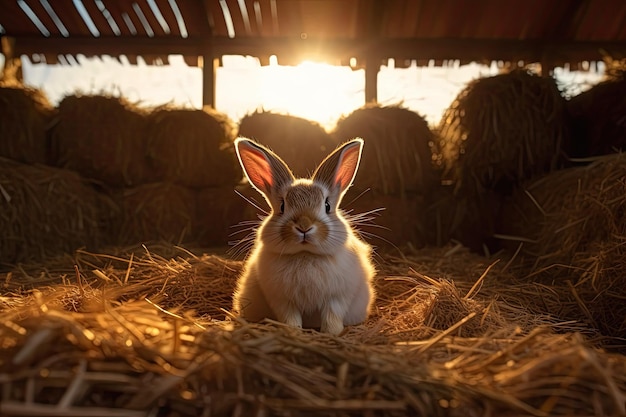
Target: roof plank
37,7
69,16
152,20
269,26
196,17
400,25
117,12
238,21
169,16
98,19
216,15
15,21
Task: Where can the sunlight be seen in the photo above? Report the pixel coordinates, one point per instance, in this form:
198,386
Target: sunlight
312,90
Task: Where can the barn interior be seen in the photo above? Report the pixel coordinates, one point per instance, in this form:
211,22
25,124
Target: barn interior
499,232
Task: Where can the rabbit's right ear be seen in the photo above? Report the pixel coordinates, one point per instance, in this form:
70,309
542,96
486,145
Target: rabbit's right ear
263,168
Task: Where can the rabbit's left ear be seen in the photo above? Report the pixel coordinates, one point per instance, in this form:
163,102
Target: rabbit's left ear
338,170
263,168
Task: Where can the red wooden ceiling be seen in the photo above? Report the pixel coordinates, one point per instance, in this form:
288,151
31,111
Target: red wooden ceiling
570,30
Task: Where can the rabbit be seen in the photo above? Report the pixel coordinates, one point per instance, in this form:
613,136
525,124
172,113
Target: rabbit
307,267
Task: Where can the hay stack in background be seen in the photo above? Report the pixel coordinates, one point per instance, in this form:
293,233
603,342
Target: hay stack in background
25,114
572,227
193,148
101,138
153,212
501,130
397,156
220,212
386,220
470,220
302,144
599,118
396,172
45,211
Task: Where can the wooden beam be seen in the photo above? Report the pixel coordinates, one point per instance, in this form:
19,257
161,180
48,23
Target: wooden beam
479,50
372,59
209,72
372,66
569,21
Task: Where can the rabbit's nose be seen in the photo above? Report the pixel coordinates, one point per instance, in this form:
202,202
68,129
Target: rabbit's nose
304,224
304,230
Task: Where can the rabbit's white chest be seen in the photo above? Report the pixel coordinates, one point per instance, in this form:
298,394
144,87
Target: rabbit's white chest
308,281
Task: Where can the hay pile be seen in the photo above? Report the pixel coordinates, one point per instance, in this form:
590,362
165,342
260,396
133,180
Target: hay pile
25,114
153,212
144,334
599,118
397,157
102,138
572,226
45,211
501,130
302,144
193,148
469,219
396,174
220,213
386,220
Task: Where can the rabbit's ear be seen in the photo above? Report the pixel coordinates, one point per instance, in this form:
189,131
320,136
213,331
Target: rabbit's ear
263,168
339,168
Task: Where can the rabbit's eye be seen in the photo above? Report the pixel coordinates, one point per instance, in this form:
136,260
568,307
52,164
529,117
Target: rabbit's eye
327,206
282,206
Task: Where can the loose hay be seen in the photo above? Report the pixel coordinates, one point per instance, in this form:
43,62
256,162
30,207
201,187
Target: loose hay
153,212
501,130
45,211
302,144
122,354
397,157
101,138
572,227
193,148
25,114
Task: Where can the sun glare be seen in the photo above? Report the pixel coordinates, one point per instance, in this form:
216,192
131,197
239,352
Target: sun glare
312,90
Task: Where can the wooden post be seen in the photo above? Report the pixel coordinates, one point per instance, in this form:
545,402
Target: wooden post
209,72
372,66
547,66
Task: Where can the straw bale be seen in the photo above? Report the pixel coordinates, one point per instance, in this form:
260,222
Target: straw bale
45,211
139,347
397,157
301,143
25,114
153,212
222,216
501,130
193,148
599,119
386,220
571,225
469,219
101,137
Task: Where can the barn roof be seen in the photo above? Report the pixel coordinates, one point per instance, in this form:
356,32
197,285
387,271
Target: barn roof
553,31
